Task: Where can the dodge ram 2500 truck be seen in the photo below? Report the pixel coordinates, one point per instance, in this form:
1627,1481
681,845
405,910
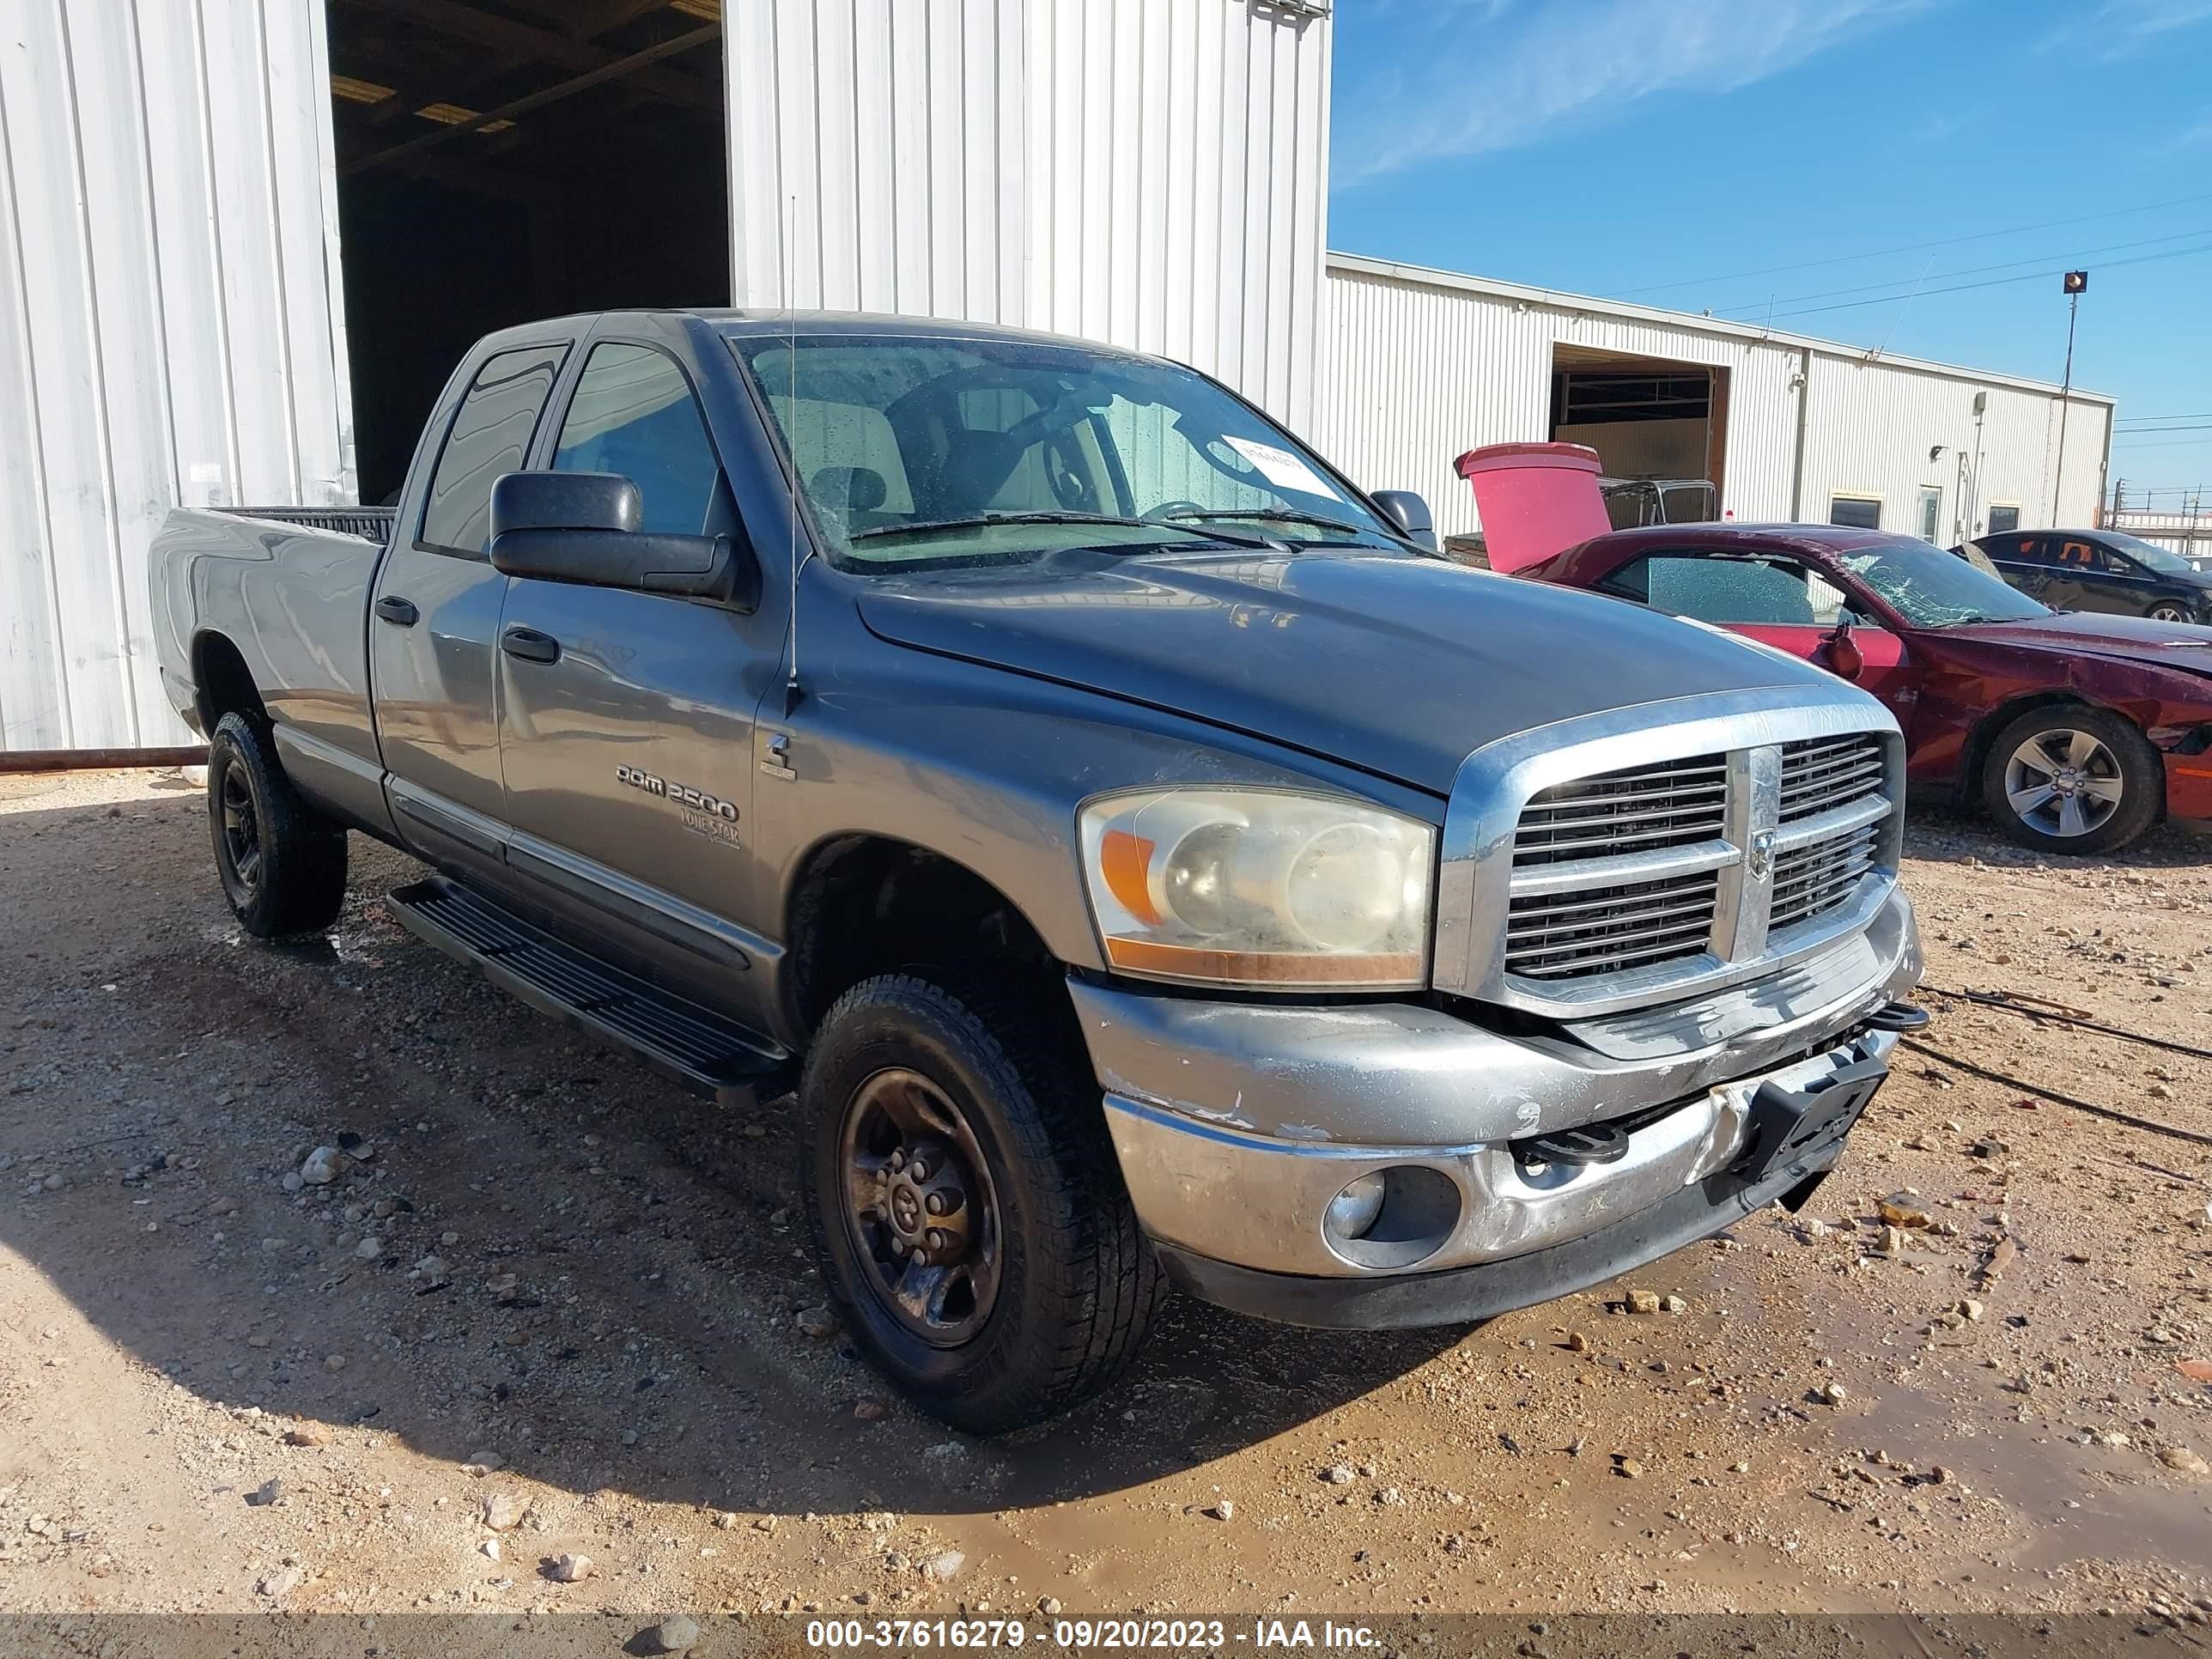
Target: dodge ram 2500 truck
1147,860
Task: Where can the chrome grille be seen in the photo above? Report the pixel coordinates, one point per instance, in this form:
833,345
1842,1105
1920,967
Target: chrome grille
1734,845
1648,807
1814,878
1821,774
1582,931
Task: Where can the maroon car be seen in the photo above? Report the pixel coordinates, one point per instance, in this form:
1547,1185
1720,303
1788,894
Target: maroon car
2078,732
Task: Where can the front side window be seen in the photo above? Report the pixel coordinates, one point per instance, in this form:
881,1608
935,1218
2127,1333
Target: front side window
1733,589
634,414
489,436
914,451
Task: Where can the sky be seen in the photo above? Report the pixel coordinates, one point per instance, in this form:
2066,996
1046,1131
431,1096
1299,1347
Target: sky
1676,152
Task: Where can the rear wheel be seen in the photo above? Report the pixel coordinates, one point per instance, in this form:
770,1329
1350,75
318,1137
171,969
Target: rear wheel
965,1206
283,864
2070,779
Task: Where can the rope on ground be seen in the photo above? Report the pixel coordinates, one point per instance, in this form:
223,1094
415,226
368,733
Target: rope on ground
2042,1093
2011,1003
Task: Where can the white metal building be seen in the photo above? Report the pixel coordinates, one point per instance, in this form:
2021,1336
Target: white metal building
242,241
1419,366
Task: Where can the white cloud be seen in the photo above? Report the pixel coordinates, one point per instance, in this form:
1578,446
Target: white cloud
2119,28
1486,80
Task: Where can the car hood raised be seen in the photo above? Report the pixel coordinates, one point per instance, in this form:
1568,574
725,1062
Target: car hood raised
1396,664
2184,646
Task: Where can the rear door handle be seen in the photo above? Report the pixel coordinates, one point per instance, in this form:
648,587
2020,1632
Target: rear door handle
529,645
393,609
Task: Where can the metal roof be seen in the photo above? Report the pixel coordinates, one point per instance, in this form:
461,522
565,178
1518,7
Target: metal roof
1693,322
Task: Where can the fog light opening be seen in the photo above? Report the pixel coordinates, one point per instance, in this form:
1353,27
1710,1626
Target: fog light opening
1352,1212
1392,1218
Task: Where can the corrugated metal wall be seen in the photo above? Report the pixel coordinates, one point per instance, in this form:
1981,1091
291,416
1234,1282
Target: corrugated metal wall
1150,173
170,329
1416,367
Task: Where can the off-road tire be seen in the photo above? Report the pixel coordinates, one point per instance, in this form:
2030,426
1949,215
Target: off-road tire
1078,1285
299,881
2143,779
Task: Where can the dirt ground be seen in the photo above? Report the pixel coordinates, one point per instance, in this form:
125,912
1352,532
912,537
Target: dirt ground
551,1288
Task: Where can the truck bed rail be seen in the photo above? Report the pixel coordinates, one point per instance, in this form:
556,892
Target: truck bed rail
374,523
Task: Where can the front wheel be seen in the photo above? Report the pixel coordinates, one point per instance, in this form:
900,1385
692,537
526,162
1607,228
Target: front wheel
2166,611
965,1203
2068,779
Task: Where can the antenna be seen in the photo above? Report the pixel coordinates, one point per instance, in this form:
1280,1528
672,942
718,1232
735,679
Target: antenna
791,618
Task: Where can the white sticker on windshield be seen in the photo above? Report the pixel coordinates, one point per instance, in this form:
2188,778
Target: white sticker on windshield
1279,466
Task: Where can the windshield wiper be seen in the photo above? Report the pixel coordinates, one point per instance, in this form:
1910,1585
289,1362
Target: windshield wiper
1263,515
986,520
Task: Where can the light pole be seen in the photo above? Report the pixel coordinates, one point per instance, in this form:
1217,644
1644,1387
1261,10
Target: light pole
2077,284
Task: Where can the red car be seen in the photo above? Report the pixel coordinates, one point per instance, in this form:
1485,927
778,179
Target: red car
2077,732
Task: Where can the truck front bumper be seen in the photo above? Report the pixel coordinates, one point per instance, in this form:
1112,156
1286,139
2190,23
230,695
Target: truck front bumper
1237,1124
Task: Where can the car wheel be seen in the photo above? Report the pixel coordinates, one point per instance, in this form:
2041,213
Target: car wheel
283,864
965,1207
2071,779
2167,611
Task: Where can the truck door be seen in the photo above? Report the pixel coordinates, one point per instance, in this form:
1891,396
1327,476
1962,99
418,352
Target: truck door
435,609
627,718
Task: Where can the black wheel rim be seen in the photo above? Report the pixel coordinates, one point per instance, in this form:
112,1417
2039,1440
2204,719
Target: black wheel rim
918,1207
238,830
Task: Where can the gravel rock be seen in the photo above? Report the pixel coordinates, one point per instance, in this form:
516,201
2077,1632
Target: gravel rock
1902,1210
489,1462
503,1509
868,1410
569,1569
307,1434
2183,1459
324,1165
334,1363
943,1567
280,1582
1578,1343
369,1248
1641,1301
1628,1468
1673,1305
1338,1474
678,1634
265,1494
1224,1510
817,1323
1831,1394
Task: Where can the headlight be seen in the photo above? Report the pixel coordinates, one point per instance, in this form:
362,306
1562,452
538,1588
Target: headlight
1257,888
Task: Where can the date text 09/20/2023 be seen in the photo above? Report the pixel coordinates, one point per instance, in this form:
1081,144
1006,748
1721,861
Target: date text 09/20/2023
905,1635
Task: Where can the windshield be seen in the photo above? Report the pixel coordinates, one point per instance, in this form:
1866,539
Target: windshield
1933,589
2150,553
914,451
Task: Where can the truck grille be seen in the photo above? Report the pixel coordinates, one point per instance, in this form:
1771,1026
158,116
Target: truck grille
1815,878
1564,935
1676,805
1821,774
1643,871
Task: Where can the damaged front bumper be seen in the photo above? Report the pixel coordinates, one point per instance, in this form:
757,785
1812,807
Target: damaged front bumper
1237,1124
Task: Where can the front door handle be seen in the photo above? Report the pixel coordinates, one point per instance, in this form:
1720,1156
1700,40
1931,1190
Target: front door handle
394,609
529,645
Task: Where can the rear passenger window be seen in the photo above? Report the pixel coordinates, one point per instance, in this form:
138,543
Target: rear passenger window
634,415
489,436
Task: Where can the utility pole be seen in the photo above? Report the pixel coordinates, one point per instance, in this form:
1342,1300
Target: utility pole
2077,284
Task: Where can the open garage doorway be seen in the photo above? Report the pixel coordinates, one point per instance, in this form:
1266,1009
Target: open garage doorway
504,159
1660,428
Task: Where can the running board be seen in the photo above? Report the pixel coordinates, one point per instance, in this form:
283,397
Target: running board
707,1053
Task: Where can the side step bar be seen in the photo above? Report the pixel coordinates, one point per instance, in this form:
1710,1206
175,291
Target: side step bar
707,1053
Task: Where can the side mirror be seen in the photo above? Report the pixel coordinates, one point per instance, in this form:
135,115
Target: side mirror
582,527
1840,653
1411,514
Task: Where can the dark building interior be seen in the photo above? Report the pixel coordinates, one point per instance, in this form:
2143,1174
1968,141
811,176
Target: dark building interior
502,160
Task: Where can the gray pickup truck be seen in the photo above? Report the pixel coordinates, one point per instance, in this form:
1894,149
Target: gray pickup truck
1145,859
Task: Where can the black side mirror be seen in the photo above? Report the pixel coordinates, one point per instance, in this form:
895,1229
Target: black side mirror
582,527
1411,514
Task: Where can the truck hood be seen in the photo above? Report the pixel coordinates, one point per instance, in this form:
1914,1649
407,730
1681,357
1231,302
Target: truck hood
2184,646
1396,664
